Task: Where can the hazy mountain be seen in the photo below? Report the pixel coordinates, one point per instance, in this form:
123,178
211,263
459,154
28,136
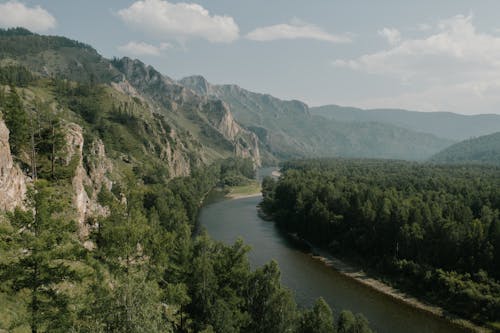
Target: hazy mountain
214,121
199,129
483,149
442,124
288,130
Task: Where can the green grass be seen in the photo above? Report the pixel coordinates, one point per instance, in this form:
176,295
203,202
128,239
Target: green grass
243,190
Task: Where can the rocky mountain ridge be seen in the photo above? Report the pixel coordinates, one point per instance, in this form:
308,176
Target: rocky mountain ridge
288,129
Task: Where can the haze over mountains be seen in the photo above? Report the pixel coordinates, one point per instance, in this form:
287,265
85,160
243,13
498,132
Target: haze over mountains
227,118
289,130
447,125
483,150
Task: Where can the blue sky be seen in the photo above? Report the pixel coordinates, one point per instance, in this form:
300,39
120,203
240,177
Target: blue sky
420,55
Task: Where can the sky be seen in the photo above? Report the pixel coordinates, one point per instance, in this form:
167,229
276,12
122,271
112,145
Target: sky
419,55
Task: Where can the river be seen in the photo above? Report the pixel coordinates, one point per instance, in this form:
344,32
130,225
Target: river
308,278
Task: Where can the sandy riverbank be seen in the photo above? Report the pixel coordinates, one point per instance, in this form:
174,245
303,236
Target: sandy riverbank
360,276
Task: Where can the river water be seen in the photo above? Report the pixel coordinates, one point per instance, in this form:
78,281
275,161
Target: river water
308,278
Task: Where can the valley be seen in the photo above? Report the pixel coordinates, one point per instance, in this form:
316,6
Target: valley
108,221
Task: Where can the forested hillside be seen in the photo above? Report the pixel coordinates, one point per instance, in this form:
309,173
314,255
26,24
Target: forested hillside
431,230
104,165
482,150
447,125
288,130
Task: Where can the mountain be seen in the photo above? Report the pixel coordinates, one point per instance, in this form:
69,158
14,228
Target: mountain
203,129
484,149
288,129
447,125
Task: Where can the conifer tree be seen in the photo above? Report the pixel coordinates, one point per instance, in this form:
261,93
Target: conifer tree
43,251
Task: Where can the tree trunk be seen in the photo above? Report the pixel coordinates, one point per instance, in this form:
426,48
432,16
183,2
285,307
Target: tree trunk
53,153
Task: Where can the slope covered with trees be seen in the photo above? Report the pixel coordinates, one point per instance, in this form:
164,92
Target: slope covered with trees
483,150
432,230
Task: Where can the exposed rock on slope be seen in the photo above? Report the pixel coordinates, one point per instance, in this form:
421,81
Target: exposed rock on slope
12,180
287,129
208,118
93,181
200,139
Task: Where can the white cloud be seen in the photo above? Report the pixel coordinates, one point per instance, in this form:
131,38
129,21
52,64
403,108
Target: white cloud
295,30
450,69
456,50
16,14
393,36
142,49
179,21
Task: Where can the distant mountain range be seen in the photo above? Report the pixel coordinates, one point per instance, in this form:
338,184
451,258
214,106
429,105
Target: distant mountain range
210,121
446,125
288,129
484,149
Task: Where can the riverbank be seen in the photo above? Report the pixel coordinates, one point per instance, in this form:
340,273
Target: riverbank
357,274
361,277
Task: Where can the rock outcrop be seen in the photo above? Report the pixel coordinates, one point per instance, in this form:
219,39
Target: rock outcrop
189,105
245,142
12,180
89,178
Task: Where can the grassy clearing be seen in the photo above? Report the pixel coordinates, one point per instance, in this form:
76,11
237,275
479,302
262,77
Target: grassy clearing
251,189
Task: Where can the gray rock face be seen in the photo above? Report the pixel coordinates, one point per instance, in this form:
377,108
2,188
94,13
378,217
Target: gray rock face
193,105
12,180
94,180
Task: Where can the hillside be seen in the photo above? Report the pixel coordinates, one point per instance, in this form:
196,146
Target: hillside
104,165
484,149
447,125
288,130
205,125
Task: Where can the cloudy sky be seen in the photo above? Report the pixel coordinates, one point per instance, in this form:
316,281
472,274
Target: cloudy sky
423,55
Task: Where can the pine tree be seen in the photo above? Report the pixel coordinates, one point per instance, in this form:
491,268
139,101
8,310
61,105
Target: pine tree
17,121
43,252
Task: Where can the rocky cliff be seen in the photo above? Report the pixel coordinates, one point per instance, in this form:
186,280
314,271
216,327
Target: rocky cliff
182,105
12,180
90,177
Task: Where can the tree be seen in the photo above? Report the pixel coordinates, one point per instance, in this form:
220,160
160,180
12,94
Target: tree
17,121
128,303
121,236
51,136
44,250
270,305
318,320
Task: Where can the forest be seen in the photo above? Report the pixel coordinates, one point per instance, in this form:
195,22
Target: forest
146,270
432,230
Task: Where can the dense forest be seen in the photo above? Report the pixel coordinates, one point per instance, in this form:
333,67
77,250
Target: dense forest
429,229
141,269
